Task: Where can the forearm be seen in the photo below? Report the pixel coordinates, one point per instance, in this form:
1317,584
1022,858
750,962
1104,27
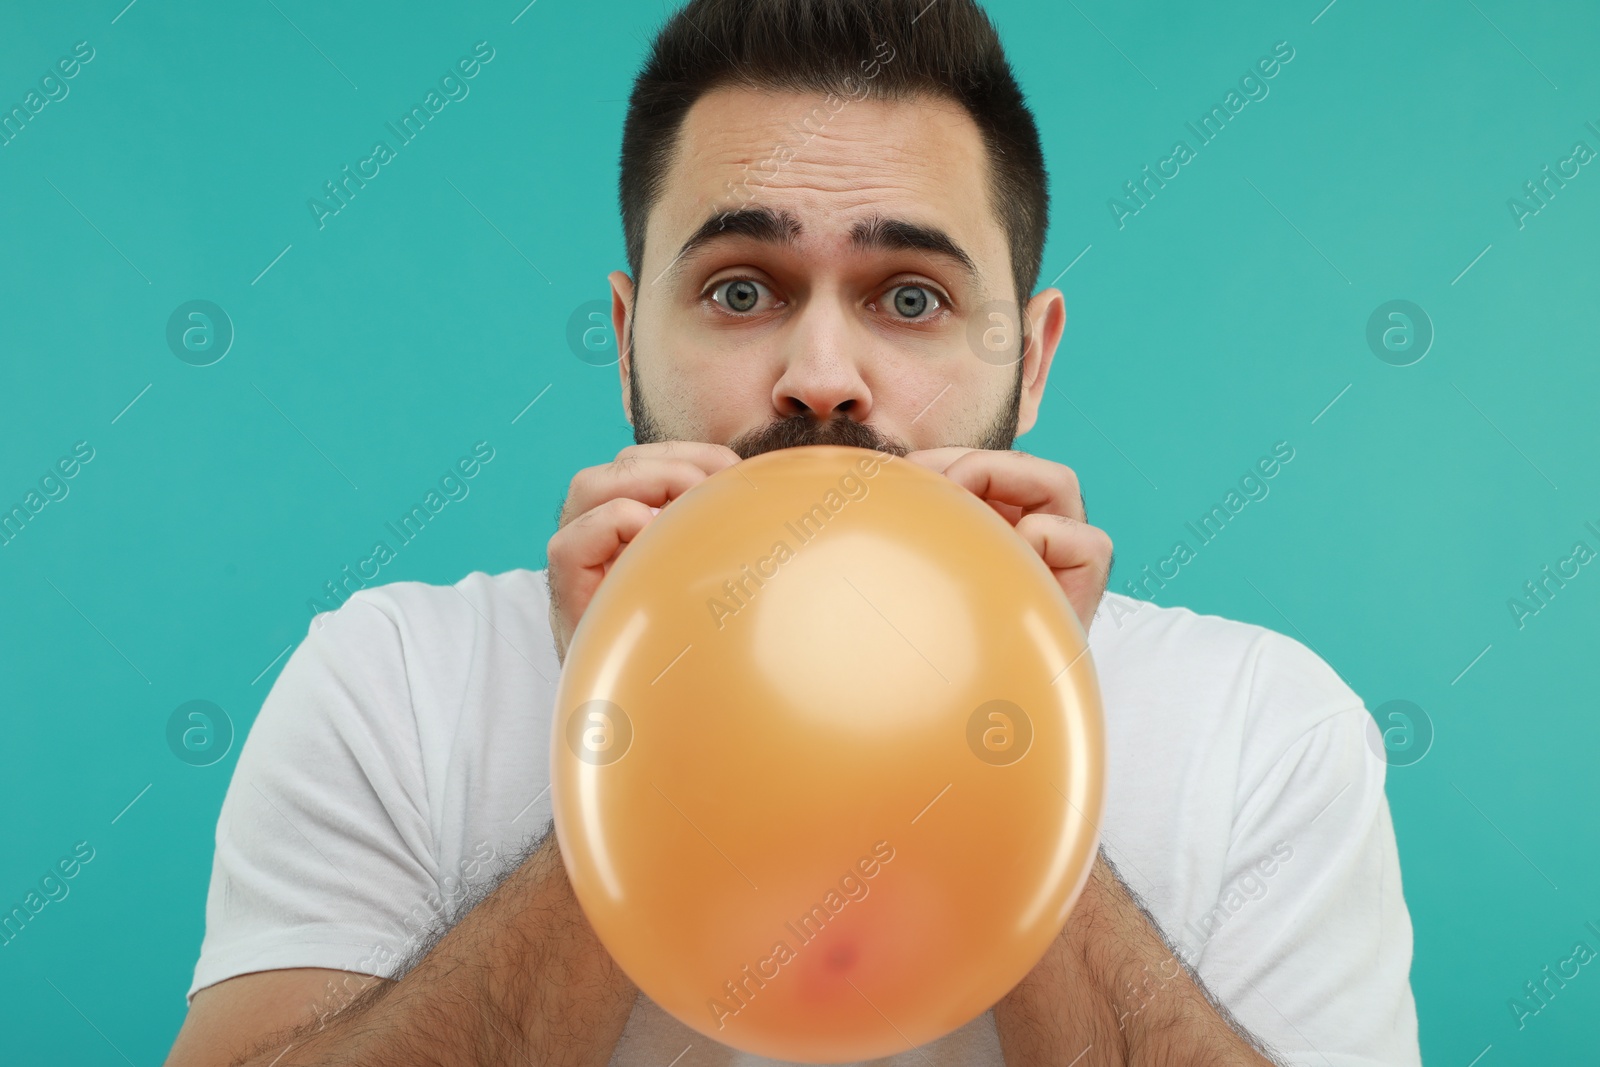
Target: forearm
1111,991
520,979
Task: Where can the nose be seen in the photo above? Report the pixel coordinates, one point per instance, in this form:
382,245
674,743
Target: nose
821,376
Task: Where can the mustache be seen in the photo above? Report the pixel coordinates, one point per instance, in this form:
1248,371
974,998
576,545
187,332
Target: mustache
798,430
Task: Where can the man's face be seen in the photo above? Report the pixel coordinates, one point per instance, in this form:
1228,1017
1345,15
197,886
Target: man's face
835,323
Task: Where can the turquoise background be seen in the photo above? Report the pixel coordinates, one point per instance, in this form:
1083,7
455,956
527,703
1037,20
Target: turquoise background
1227,315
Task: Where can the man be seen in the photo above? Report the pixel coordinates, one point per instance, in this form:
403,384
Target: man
830,207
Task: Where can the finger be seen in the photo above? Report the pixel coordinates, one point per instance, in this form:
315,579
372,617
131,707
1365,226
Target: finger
707,456
1028,482
1009,512
579,551
582,553
940,459
1078,556
1065,544
649,480
937,459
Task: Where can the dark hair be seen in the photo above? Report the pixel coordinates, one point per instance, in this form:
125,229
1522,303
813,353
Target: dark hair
948,48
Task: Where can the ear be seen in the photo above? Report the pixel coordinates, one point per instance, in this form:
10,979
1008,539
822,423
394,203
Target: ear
622,330
1046,316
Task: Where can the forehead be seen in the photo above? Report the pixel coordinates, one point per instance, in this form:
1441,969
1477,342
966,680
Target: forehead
830,163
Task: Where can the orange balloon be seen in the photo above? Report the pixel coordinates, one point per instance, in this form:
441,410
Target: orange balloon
828,756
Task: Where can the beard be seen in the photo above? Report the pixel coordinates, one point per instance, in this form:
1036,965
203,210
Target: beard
797,430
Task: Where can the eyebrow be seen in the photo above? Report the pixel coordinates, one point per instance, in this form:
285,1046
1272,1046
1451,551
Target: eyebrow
873,234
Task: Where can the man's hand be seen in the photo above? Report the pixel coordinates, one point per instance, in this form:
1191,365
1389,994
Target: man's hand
606,507
1110,991
1042,500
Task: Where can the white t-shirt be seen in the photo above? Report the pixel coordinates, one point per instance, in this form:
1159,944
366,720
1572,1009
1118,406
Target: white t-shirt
402,757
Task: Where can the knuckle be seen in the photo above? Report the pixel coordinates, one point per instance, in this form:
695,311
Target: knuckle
583,480
556,551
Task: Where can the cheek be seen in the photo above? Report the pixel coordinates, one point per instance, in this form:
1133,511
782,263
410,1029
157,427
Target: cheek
705,395
952,401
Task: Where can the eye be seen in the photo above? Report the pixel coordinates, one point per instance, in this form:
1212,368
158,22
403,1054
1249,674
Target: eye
740,295
915,301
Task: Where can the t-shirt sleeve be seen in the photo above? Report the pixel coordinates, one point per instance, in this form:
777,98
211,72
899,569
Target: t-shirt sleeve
323,847
1310,940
